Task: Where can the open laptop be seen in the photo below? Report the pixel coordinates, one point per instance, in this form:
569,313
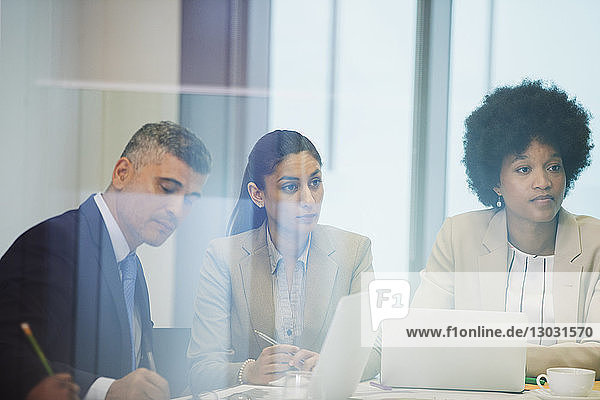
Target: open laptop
489,367
344,353
343,357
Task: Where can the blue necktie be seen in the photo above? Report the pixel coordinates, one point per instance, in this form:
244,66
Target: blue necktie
128,268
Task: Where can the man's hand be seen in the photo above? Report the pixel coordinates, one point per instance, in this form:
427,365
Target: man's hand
55,387
272,363
139,384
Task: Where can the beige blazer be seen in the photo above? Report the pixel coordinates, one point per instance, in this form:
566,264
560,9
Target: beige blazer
476,242
235,296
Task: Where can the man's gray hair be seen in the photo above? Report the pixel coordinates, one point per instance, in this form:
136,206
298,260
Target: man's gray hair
154,140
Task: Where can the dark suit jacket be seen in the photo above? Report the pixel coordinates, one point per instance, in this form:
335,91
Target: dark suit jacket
61,277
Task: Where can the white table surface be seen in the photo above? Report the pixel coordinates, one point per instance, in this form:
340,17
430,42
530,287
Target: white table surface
366,391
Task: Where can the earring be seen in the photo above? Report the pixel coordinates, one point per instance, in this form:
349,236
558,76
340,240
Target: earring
500,201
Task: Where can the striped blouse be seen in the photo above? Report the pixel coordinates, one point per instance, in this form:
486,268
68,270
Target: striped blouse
289,299
529,288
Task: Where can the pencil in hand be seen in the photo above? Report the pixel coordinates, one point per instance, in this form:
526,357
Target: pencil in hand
27,330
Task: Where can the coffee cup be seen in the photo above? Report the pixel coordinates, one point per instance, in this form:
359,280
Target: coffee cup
574,382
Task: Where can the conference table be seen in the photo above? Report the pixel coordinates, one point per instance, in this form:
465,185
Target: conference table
366,391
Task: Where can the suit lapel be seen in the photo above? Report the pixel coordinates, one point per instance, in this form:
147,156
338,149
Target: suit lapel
320,280
109,271
566,274
567,269
110,274
492,265
257,283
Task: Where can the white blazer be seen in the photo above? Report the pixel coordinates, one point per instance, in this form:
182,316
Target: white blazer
476,242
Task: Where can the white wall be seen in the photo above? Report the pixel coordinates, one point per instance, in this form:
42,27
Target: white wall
554,40
367,183
558,41
468,83
39,125
77,79
300,55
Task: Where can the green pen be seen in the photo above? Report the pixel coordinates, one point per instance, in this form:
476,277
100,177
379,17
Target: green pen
36,347
532,381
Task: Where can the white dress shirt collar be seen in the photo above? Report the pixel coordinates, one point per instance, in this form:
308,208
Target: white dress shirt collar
119,243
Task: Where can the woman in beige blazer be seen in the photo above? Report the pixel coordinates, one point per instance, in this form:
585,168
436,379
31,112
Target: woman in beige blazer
278,272
524,148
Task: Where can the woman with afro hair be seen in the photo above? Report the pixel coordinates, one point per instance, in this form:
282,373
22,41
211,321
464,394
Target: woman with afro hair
525,146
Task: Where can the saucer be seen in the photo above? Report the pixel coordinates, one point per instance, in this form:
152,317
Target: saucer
594,394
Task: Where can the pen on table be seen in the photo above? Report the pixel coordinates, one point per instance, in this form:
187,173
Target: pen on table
27,330
532,381
380,386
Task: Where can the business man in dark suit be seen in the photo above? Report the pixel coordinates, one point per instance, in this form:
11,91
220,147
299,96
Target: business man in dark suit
77,281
